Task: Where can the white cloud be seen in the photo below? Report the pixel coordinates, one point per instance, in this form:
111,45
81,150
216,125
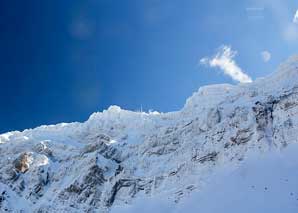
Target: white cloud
295,19
224,60
266,56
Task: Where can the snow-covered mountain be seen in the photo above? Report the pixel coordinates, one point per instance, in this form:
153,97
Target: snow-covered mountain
118,159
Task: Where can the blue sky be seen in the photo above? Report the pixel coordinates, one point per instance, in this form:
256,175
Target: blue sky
61,60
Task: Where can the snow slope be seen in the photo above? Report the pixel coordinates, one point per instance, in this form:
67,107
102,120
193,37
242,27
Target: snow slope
120,160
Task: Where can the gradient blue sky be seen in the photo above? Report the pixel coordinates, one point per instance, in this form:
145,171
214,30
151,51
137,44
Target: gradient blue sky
61,60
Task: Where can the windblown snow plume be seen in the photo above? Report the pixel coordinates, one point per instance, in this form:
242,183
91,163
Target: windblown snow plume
224,60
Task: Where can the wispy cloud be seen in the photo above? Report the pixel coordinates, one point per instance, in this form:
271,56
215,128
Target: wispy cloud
295,19
224,59
266,56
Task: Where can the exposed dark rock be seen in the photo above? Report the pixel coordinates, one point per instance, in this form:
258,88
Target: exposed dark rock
95,176
105,150
288,123
2,198
22,185
87,187
263,114
162,150
133,184
92,179
13,175
190,187
242,136
213,117
209,157
75,188
43,148
119,170
43,180
103,137
264,118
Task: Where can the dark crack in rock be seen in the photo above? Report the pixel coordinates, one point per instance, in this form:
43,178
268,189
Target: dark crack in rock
213,117
242,136
132,184
209,157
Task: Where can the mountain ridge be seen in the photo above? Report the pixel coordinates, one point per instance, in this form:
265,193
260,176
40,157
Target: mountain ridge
119,155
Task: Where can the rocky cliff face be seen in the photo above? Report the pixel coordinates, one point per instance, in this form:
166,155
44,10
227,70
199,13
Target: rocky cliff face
118,155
